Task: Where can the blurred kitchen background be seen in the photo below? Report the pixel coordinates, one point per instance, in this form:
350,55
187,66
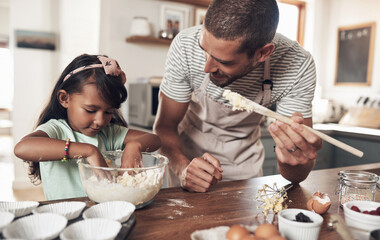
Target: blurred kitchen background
134,33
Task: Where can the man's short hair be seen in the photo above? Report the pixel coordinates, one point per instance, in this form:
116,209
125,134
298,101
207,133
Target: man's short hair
253,21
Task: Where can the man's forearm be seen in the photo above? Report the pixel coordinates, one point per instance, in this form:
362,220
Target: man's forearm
171,147
295,174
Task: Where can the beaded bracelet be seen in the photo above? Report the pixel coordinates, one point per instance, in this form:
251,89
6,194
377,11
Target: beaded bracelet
64,159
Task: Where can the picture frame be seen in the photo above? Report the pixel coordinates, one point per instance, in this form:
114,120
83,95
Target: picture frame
355,51
174,18
35,39
199,15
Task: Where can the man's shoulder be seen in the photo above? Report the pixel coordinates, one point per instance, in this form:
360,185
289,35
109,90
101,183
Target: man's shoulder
283,43
191,32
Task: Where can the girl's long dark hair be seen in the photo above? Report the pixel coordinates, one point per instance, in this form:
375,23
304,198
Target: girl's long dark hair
110,88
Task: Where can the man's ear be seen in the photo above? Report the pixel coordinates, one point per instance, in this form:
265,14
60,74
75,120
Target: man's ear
264,52
63,98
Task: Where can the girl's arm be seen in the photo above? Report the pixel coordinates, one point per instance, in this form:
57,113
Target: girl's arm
38,147
136,142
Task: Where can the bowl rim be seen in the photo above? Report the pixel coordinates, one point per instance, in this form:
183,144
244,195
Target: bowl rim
157,155
348,211
317,223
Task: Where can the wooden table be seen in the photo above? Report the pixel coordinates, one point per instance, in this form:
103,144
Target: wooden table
175,213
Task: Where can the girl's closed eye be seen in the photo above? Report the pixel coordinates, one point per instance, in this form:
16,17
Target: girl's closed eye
90,111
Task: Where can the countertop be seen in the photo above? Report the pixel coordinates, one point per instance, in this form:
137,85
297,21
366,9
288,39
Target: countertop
176,214
338,129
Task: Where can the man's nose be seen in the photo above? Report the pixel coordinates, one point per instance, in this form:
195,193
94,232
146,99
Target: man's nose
210,65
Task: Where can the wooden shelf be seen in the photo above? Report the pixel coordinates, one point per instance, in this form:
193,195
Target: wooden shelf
140,39
203,3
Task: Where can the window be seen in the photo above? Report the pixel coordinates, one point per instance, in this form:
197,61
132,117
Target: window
292,19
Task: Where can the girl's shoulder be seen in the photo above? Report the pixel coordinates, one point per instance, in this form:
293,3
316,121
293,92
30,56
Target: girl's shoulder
55,128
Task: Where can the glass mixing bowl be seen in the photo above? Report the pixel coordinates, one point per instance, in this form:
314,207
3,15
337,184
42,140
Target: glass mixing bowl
136,185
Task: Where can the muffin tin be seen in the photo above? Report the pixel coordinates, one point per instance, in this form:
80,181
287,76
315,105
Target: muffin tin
126,226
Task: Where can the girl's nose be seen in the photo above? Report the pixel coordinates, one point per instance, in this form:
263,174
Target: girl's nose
99,119
210,65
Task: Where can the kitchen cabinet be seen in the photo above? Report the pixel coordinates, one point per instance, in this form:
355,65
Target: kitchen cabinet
270,162
330,156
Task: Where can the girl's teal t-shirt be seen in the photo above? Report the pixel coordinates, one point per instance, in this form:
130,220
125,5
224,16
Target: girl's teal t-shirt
61,180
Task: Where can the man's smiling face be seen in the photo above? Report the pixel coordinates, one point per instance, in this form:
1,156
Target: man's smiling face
223,61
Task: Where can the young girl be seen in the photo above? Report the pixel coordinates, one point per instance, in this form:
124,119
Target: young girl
82,119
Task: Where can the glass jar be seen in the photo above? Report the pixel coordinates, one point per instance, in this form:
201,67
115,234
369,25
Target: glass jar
357,185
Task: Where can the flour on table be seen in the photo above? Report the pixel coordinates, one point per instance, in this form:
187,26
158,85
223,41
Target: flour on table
179,202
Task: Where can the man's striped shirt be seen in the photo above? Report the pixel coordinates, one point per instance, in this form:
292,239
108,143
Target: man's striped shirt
292,73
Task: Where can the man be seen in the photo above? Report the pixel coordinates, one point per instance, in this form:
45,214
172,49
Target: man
235,49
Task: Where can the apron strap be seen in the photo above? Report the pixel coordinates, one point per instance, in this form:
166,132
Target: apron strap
264,95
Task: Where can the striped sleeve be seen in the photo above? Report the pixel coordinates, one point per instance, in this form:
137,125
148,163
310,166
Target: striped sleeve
299,98
175,83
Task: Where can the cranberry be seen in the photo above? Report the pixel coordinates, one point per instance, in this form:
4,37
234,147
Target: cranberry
355,208
373,212
378,210
366,212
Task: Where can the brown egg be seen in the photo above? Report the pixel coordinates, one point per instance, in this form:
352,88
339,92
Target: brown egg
319,203
277,237
265,231
237,232
249,237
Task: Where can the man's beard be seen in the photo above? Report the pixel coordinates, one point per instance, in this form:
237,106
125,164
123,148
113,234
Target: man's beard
228,79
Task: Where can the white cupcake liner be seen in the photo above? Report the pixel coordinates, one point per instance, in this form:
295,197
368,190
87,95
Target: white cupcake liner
94,228
69,210
115,210
39,226
18,208
5,219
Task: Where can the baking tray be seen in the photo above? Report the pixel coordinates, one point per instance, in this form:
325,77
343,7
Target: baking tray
125,231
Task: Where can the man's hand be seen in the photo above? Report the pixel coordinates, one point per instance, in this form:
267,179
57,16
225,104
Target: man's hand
201,173
295,147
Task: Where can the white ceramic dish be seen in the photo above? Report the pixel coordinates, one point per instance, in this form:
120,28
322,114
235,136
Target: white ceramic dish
94,228
114,210
69,210
19,209
5,219
294,230
362,220
37,226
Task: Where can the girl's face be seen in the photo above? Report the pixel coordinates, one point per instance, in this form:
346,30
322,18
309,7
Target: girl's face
87,113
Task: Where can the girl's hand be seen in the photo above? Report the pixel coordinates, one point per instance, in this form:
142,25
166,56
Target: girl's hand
132,157
96,159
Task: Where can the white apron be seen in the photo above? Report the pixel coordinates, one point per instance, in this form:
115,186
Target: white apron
232,137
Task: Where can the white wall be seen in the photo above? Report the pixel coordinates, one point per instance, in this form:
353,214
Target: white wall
137,60
36,71
33,69
333,15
